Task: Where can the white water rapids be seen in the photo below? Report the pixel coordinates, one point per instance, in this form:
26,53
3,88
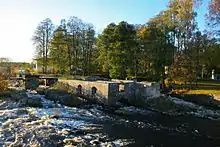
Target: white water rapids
58,125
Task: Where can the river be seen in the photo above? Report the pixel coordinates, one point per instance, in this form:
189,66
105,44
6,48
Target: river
95,125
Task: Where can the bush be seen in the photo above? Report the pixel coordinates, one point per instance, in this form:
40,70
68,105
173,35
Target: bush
64,87
3,84
182,69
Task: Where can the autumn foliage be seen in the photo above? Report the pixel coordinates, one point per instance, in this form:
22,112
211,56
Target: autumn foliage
3,84
182,69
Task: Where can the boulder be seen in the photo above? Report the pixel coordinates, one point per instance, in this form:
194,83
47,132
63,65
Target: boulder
41,91
63,97
18,95
54,94
33,102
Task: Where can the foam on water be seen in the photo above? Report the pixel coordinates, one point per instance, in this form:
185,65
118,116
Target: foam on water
54,122
198,111
22,124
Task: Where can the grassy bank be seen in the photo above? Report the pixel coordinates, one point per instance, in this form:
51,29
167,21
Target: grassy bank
202,87
207,87
205,93
71,77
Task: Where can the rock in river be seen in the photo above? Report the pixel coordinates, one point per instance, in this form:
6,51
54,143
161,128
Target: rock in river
63,97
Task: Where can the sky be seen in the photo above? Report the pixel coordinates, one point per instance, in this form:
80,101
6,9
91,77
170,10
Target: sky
19,18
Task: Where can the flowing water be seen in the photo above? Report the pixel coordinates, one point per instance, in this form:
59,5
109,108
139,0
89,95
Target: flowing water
94,125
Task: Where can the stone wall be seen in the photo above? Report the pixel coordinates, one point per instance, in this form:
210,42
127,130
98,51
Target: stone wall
101,92
140,90
109,92
151,89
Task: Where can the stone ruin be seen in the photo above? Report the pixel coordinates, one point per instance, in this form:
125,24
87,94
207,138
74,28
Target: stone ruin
109,92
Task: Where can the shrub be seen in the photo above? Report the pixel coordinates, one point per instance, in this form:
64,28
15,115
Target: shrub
64,87
3,84
183,69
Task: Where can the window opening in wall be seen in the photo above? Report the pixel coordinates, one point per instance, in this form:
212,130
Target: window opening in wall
94,90
79,89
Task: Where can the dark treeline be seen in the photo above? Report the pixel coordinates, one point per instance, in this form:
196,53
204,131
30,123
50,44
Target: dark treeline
170,39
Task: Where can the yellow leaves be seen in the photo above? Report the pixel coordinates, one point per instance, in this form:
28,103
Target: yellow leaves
184,9
177,4
143,31
3,84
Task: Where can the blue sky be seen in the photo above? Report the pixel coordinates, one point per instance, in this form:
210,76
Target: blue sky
19,18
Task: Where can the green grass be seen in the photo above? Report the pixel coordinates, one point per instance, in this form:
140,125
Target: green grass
209,82
207,85
65,77
71,76
203,91
204,87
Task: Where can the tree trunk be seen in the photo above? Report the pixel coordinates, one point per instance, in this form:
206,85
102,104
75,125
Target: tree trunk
69,52
197,65
43,59
46,56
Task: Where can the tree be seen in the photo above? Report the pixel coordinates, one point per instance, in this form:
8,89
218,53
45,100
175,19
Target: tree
80,41
4,60
104,45
59,51
213,16
88,43
124,50
180,71
182,26
73,28
209,57
5,63
72,46
3,83
156,46
116,47
41,39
